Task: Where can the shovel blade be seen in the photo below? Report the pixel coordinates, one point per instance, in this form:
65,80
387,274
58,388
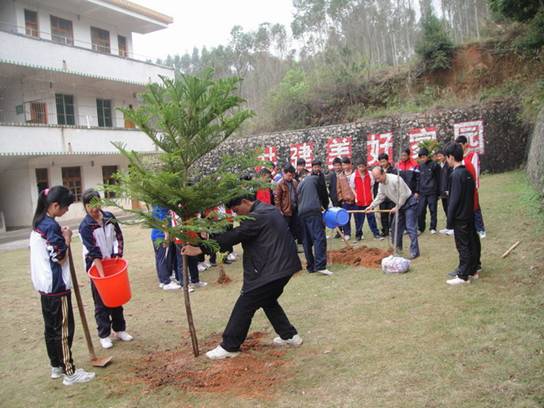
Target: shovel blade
101,361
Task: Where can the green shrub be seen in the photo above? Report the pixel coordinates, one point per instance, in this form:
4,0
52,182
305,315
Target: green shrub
435,46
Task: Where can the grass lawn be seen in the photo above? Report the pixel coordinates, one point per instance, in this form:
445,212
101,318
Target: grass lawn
371,340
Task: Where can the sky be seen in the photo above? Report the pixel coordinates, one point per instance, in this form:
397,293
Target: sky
206,22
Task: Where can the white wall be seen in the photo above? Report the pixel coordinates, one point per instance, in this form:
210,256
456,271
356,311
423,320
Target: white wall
29,140
19,193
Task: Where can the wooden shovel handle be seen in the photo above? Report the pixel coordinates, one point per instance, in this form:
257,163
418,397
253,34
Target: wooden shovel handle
80,306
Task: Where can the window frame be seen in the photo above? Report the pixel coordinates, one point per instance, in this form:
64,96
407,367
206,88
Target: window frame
40,180
67,179
62,35
99,43
101,112
63,115
107,178
123,51
32,28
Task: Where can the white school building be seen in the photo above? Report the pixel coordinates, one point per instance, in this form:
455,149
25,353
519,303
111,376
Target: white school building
65,68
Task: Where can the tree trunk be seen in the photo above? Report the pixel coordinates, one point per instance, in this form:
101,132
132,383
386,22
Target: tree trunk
188,310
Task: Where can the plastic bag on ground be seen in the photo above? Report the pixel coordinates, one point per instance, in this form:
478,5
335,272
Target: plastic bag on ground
395,264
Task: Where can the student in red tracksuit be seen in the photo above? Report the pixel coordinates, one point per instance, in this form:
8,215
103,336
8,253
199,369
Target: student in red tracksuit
265,195
362,183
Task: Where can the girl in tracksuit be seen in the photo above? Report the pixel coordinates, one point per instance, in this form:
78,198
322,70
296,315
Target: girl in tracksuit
49,245
102,239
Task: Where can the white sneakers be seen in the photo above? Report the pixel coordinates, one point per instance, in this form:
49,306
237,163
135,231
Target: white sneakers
294,341
219,353
200,284
232,256
120,335
80,376
457,281
325,272
171,286
106,342
56,372
482,234
347,237
433,231
123,336
446,231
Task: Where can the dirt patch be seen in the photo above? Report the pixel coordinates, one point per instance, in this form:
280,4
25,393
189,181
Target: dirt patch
359,256
223,278
254,373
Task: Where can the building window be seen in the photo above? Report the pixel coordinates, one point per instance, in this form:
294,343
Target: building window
42,179
103,108
31,23
122,45
62,31
65,109
100,40
38,112
71,179
107,177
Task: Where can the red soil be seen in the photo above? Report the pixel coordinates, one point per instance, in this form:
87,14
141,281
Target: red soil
359,256
254,373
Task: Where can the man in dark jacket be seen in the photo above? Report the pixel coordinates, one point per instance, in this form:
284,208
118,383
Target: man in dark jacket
270,259
301,170
461,216
427,189
333,178
312,197
444,185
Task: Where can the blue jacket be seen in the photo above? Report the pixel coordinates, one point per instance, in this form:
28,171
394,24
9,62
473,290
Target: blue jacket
159,213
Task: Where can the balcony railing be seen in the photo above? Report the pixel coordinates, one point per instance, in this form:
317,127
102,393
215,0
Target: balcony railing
46,54
39,140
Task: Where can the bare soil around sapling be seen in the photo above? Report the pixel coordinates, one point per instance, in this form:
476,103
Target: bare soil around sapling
256,373
359,256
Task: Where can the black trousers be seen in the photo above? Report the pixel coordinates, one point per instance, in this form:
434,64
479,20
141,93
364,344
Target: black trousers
295,226
248,303
425,201
59,331
445,205
386,219
467,243
107,317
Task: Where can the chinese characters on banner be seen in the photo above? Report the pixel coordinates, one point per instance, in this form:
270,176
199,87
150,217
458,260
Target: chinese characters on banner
269,154
419,135
376,144
474,132
301,151
337,147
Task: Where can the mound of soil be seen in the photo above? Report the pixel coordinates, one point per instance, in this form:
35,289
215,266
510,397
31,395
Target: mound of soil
254,373
359,256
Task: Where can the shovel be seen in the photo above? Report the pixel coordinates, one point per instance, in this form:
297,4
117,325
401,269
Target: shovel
95,361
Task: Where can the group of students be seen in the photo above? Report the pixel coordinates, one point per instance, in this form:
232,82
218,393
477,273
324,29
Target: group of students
299,197
102,238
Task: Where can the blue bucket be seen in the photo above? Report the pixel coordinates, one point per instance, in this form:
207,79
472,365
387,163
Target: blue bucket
335,217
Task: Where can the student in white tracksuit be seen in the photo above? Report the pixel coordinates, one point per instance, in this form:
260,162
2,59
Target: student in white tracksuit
49,245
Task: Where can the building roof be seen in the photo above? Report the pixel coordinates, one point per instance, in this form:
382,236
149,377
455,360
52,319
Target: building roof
137,8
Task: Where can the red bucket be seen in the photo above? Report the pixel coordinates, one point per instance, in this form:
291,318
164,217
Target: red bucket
114,287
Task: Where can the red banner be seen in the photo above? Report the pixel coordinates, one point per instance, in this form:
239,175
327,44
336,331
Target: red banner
418,135
302,151
474,132
338,147
269,155
376,144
